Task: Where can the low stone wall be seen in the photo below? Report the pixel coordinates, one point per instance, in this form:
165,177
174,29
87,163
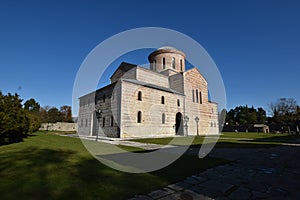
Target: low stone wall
58,126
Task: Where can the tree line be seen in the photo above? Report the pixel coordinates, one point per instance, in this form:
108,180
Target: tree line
284,116
17,120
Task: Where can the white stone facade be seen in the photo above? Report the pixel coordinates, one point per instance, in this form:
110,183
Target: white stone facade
153,102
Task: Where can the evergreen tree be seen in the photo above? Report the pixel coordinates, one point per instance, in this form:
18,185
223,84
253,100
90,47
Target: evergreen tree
14,123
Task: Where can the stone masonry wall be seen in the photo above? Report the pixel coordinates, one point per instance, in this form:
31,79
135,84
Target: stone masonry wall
207,112
58,126
155,78
152,110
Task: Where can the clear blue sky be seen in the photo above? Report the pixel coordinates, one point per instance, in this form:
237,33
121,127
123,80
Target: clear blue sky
255,44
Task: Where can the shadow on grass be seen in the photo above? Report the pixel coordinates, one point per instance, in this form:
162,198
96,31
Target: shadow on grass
278,138
239,144
266,142
6,139
61,174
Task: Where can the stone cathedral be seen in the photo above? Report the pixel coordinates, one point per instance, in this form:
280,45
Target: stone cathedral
163,101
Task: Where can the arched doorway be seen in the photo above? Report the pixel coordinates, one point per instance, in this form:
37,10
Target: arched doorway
178,124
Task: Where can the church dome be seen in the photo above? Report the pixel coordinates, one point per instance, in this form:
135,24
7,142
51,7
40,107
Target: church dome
167,48
167,57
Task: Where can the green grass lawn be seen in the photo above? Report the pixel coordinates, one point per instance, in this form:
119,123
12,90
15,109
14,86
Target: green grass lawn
48,166
231,140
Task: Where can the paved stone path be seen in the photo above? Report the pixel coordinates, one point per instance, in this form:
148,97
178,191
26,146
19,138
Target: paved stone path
117,141
267,173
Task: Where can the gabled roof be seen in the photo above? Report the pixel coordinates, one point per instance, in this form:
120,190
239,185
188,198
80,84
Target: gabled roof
103,89
195,68
124,67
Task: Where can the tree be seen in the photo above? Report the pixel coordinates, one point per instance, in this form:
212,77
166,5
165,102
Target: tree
54,115
245,116
283,107
33,111
67,113
285,112
14,123
44,114
32,105
34,121
261,115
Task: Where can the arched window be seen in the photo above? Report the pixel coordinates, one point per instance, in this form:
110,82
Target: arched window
139,117
112,121
164,63
103,121
162,100
197,96
178,102
181,64
200,96
193,95
163,118
140,96
173,62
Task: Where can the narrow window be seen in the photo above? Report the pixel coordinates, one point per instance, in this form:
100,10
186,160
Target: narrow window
215,125
200,96
173,62
103,121
197,96
81,122
211,124
178,102
103,97
163,118
112,121
154,65
139,117
85,122
162,100
193,95
140,96
164,63
181,64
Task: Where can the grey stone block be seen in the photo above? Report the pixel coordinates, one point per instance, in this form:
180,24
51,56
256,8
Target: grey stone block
179,186
158,194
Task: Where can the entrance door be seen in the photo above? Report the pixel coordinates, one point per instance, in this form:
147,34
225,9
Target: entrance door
179,124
